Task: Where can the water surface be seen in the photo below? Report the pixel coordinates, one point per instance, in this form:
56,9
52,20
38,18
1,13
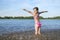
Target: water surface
15,25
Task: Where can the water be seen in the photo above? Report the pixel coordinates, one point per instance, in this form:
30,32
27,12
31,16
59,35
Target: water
15,25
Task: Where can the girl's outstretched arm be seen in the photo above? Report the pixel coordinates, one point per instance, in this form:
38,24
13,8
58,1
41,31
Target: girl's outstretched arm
28,11
44,11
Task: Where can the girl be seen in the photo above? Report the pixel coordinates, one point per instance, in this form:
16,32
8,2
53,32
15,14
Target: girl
36,19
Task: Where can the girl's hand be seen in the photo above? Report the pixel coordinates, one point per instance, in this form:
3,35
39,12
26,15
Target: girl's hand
45,11
24,9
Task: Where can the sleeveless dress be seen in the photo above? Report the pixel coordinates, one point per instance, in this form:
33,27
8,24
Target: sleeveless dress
38,23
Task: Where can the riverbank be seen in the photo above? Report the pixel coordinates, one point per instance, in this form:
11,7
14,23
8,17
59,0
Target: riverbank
27,17
29,35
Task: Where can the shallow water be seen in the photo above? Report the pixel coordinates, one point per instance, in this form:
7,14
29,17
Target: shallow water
15,25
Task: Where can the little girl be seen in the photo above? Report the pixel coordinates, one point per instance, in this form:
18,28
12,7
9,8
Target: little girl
36,19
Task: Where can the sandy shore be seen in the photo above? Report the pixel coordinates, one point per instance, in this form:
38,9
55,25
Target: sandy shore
29,35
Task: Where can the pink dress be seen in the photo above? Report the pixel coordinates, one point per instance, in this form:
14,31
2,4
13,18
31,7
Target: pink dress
37,22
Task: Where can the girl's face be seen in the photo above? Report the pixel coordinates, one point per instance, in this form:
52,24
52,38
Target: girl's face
35,11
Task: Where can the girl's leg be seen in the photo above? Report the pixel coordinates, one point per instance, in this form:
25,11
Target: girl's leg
39,31
36,30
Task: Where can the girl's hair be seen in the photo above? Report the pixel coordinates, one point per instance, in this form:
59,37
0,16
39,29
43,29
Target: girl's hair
35,8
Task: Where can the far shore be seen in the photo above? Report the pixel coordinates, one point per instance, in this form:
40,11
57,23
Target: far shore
29,17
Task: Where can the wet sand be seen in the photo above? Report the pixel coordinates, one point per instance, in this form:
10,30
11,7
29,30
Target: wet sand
29,35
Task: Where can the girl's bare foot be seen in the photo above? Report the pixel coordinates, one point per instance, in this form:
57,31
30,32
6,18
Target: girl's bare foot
39,33
36,34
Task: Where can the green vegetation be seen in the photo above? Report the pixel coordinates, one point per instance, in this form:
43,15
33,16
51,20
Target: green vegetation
8,17
30,17
57,17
